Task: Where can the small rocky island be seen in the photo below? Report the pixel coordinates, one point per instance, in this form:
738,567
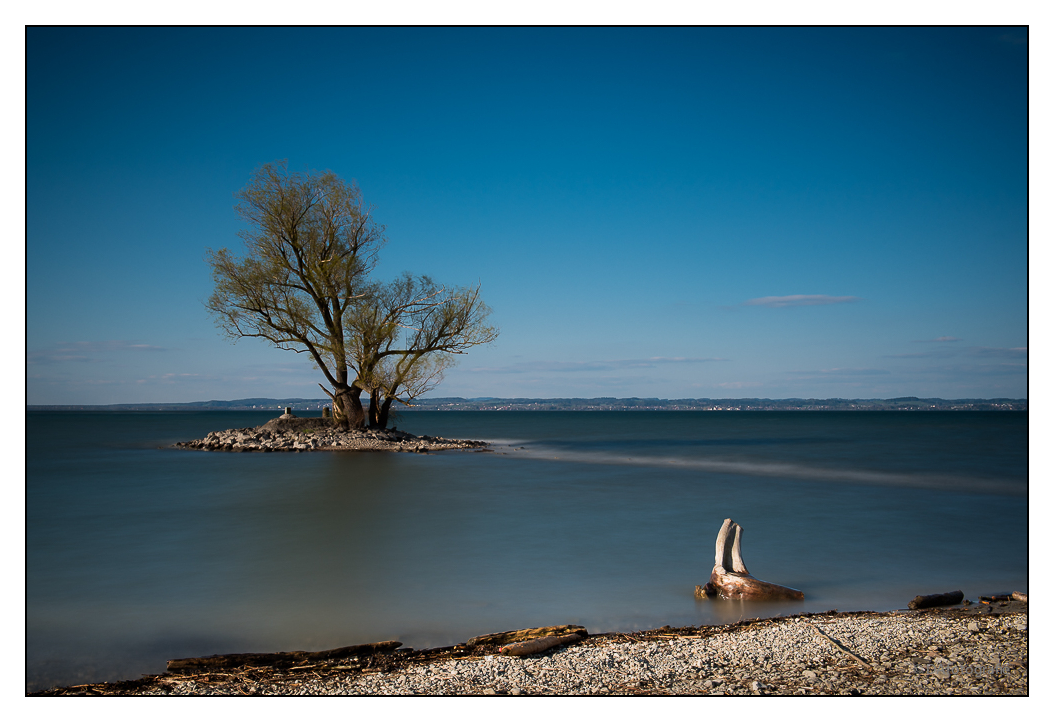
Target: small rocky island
290,433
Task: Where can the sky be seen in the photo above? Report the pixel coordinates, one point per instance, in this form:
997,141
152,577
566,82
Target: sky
650,212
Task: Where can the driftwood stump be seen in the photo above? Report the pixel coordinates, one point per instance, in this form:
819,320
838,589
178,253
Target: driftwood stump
730,578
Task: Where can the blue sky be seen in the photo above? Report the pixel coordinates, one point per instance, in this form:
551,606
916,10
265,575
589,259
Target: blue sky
685,212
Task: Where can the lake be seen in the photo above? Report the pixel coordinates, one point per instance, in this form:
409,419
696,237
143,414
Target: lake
138,553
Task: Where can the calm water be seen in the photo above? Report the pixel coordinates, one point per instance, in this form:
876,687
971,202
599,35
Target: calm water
137,553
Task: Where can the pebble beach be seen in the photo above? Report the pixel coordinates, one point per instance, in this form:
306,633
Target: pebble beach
969,650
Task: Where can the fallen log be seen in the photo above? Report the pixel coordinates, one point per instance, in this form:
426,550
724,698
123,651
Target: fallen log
521,635
279,659
995,598
935,600
534,646
730,578
1019,597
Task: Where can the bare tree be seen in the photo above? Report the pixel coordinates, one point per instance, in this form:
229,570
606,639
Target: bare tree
311,245
410,332
403,379
304,286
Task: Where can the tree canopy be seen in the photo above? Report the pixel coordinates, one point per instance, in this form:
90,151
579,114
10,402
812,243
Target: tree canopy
304,285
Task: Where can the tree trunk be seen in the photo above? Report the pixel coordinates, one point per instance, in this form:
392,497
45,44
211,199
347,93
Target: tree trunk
382,418
341,404
375,395
356,414
730,578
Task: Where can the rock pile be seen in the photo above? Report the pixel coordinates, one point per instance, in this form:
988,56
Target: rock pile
289,433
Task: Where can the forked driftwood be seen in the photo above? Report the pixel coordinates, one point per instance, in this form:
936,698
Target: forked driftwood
730,578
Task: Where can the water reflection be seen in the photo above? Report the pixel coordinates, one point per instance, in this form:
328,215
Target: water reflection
728,611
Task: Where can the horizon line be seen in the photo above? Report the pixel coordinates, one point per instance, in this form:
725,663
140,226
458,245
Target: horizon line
257,400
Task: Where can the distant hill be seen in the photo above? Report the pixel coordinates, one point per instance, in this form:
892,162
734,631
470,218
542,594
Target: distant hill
905,403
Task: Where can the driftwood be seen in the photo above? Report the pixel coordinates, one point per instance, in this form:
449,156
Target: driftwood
533,646
838,645
730,578
935,600
1019,597
279,659
995,598
521,635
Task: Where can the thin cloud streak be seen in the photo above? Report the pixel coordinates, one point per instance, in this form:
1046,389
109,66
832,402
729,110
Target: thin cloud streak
799,300
578,366
824,373
971,370
988,352
942,353
84,351
975,351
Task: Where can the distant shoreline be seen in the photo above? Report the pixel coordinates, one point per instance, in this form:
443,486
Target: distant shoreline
905,403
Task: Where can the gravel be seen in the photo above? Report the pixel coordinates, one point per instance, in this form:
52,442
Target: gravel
932,652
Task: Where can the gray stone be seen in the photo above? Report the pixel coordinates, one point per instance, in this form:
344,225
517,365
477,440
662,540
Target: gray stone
615,665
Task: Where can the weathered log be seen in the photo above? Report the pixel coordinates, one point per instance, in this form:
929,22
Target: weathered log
935,600
533,646
995,598
520,635
1019,597
730,578
279,659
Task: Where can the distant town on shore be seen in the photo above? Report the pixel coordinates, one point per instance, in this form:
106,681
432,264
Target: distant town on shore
904,403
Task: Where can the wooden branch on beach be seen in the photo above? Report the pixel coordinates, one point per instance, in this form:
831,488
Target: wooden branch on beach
534,646
730,578
279,659
521,635
838,645
936,600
